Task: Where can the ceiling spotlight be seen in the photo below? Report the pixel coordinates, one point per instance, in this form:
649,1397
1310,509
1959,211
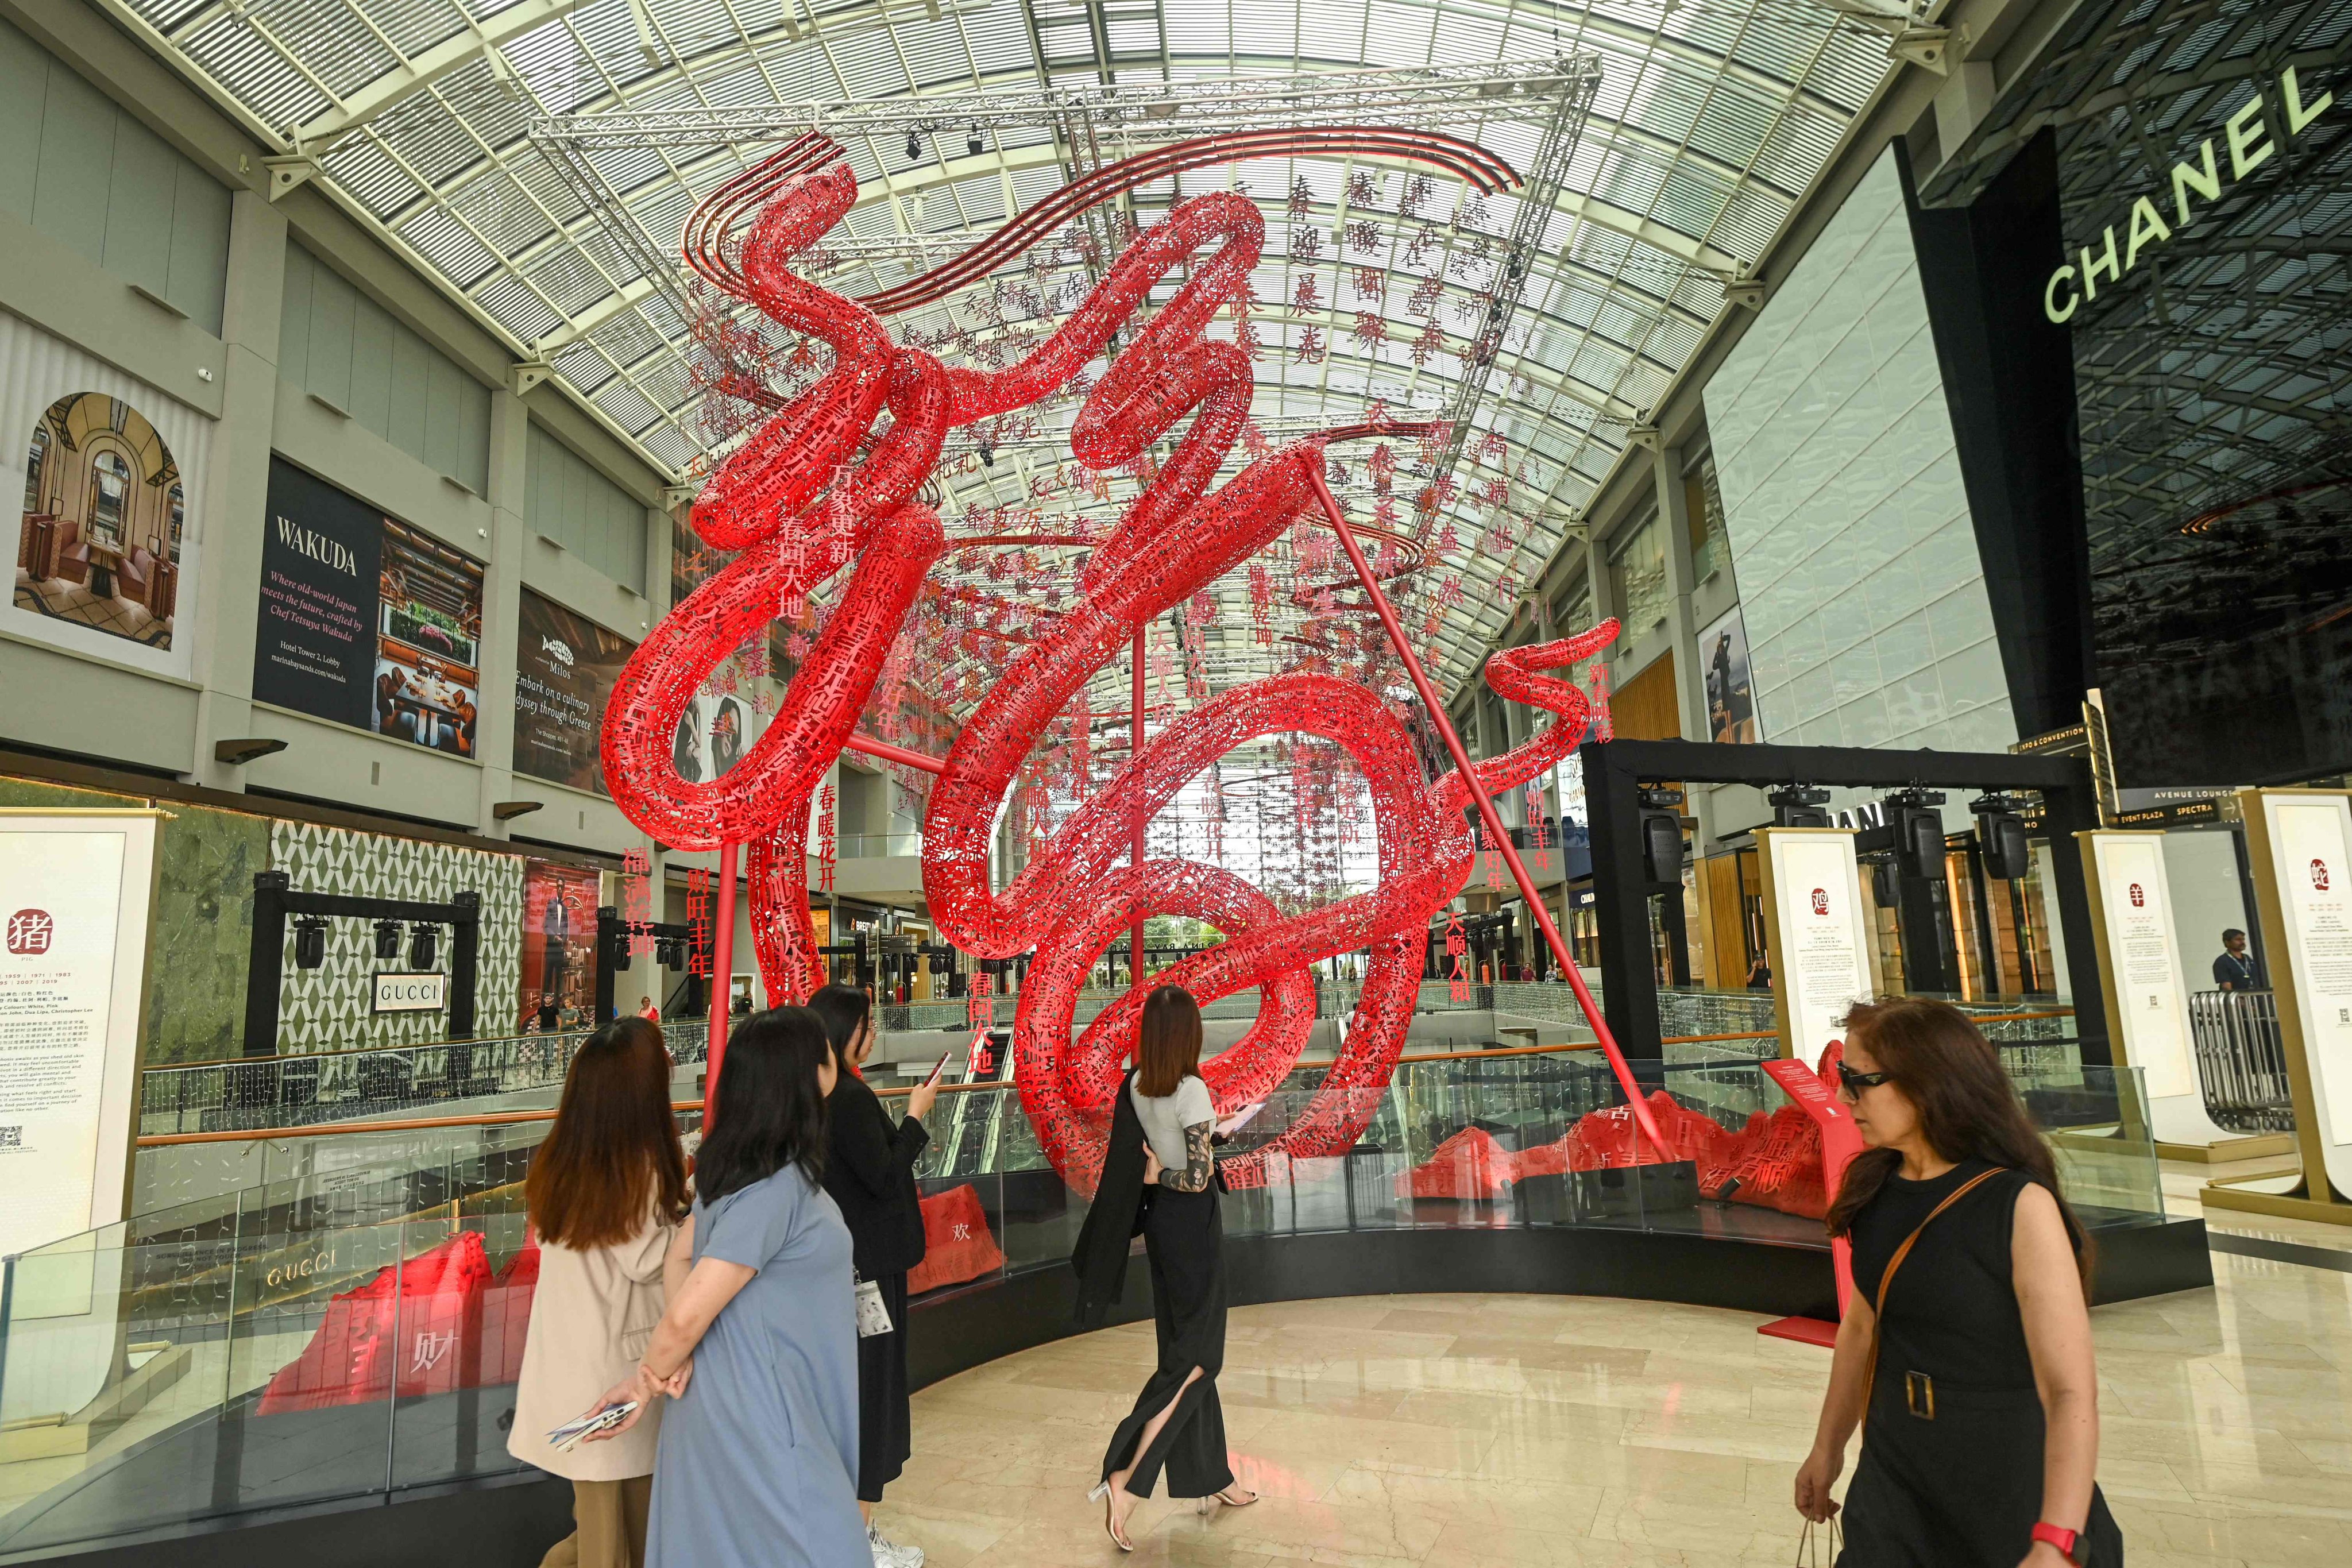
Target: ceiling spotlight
422,937
309,940
914,147
387,940
987,454
972,144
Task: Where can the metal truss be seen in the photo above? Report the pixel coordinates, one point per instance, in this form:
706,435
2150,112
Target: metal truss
1141,111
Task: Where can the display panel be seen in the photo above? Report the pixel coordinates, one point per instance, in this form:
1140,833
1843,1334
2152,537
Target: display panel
559,945
2149,994
1814,933
2311,860
565,665
1730,685
366,620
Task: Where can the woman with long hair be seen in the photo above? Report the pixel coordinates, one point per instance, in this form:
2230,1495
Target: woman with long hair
1159,1177
757,1461
870,1170
605,1191
1967,1345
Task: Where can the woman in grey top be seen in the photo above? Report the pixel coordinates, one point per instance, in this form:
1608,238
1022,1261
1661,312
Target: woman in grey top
1160,1163
758,1462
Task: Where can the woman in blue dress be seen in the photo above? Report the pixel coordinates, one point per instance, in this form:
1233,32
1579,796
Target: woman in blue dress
757,1461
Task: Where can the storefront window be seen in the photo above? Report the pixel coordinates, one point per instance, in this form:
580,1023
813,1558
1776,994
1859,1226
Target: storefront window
1637,576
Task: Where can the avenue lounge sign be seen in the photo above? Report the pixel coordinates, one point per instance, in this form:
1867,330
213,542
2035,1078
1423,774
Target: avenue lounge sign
2248,140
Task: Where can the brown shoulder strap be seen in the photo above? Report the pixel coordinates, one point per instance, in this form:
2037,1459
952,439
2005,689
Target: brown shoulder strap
1878,1307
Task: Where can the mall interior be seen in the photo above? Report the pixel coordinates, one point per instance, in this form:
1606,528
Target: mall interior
1863,488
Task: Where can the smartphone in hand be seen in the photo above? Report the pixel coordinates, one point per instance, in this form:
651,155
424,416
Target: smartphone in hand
580,1427
938,1070
1239,1118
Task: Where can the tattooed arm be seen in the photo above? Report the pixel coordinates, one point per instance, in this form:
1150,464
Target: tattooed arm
1200,1164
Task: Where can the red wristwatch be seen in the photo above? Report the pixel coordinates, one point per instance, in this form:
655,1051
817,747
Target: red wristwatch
2064,1540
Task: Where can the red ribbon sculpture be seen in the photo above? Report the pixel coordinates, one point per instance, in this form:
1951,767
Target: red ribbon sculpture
807,495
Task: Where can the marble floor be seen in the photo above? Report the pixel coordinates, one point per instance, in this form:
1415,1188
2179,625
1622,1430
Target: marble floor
1469,1431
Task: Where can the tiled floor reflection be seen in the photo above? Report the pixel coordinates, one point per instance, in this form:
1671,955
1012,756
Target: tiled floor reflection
1463,1431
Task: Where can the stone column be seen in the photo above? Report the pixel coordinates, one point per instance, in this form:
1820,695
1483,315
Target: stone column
235,500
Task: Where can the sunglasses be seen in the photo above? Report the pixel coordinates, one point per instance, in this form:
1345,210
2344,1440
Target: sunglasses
1855,1082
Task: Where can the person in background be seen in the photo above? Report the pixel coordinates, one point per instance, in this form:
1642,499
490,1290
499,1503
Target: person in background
646,1010
606,1192
2234,970
758,1350
1967,1344
1160,1160
1760,975
870,1170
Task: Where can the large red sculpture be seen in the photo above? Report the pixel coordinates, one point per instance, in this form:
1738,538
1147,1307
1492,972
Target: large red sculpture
811,491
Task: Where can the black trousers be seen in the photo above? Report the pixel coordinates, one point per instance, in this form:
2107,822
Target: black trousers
1959,1489
1183,1240
883,1428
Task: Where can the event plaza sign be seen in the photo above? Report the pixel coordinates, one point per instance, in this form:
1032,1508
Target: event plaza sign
409,993
2251,147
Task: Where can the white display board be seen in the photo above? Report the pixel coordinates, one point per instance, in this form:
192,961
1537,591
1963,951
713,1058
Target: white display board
76,889
1817,934
2310,842
2146,987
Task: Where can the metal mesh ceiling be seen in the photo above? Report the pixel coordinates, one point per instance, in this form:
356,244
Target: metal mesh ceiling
1712,120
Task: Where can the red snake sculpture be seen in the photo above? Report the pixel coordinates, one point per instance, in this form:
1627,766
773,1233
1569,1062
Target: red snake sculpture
799,502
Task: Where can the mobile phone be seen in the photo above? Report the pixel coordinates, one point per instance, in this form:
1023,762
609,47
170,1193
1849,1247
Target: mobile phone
1239,1118
938,1069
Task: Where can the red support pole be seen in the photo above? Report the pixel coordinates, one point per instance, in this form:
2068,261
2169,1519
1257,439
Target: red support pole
722,966
1135,754
1487,813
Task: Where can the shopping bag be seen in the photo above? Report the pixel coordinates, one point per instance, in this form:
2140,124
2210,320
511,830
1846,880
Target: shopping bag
957,1242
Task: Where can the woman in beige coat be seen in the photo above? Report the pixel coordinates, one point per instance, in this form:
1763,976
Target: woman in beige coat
606,1192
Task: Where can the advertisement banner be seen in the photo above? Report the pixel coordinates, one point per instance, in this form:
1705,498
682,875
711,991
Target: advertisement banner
559,947
111,472
1814,933
565,670
364,620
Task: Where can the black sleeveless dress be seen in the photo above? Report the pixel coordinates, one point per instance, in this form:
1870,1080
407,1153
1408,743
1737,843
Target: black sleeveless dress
1950,1475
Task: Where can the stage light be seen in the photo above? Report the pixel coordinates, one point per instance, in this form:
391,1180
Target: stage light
973,144
387,940
914,148
2001,837
1918,829
422,937
1798,805
310,941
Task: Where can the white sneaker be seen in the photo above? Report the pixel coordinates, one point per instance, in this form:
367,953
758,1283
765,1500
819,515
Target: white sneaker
887,1553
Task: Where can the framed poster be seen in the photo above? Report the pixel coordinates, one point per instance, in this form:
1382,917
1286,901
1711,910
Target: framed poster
2300,845
559,947
1730,689
73,982
364,620
1814,933
2147,989
111,473
565,668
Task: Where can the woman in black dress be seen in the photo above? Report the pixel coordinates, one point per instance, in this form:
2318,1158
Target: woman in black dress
1967,1345
1158,1178
870,1170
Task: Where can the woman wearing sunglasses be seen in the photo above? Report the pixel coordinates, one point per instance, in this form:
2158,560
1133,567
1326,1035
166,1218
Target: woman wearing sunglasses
1967,1345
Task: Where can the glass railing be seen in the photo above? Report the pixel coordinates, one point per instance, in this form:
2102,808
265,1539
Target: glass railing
351,1325
878,846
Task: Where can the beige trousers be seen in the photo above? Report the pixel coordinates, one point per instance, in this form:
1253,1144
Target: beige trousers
609,1520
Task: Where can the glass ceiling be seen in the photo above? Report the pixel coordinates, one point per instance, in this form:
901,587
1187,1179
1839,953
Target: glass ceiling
1711,121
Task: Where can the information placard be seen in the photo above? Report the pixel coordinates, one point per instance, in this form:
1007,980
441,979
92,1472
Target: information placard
73,974
2310,843
1815,939
2147,993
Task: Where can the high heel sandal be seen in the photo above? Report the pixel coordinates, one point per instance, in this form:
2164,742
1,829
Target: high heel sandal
1103,1494
1227,1498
